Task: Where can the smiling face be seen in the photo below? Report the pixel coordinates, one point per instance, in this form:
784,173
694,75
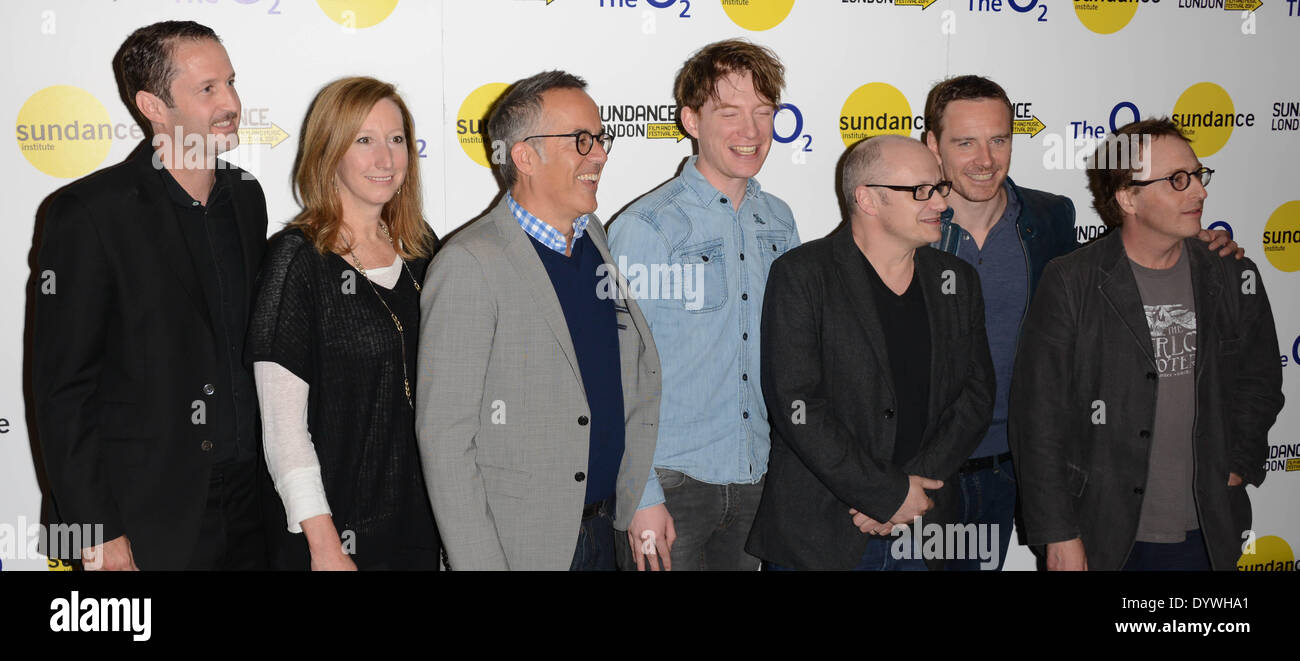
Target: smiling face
734,131
909,222
1157,210
204,100
564,180
374,167
974,147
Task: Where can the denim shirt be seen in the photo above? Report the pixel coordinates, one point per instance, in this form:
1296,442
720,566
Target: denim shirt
698,268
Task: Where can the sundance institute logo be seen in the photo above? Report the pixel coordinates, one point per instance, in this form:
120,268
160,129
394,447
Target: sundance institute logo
1106,16
1282,237
356,14
471,122
64,131
877,109
757,15
1205,114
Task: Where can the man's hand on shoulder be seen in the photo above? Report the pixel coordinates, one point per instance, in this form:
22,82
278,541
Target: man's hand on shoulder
1067,556
113,555
1221,241
651,534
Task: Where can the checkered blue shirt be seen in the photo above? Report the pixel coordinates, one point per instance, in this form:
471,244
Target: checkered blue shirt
545,234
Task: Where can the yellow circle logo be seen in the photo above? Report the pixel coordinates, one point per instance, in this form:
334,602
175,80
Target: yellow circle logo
1204,114
357,13
471,122
64,131
1271,554
757,15
1282,237
1105,16
877,109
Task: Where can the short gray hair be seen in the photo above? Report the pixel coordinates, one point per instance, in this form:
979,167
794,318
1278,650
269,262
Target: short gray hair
861,163
517,114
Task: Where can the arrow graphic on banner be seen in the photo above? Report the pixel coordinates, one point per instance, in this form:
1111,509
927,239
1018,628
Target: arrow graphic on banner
1030,127
263,135
1242,5
663,131
923,3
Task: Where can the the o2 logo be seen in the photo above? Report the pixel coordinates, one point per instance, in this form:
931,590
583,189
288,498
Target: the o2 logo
274,10
664,4
802,141
1115,113
1029,7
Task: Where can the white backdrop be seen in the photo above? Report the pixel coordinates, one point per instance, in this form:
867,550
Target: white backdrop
1070,63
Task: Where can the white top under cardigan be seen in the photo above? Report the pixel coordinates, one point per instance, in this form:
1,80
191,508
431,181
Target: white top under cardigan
290,454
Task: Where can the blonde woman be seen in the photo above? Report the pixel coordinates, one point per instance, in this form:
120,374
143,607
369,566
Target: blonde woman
333,336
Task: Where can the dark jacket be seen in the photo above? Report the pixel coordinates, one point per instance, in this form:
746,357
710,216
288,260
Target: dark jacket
824,355
1085,340
123,350
1045,228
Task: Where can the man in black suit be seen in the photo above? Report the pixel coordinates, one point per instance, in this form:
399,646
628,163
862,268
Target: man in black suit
146,414
876,373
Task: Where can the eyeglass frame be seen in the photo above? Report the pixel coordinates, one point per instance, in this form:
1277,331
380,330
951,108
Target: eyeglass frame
1198,172
577,139
915,190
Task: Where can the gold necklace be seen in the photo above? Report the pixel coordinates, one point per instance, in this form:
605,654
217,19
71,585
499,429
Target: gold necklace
401,332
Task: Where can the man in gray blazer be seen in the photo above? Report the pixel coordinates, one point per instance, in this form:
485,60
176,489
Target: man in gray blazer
537,398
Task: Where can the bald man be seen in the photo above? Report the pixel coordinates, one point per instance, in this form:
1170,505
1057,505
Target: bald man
876,372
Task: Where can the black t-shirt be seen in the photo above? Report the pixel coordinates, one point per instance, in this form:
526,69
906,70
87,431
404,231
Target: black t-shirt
907,339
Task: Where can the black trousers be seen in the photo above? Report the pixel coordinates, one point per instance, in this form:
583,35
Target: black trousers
231,537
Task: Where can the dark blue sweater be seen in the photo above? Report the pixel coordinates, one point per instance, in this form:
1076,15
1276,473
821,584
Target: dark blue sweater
594,331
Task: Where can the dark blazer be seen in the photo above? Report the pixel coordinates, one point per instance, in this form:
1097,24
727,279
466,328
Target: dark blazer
823,352
123,349
1085,340
1045,226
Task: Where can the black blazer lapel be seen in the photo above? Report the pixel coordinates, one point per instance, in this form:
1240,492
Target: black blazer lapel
164,227
1119,288
1206,293
944,328
857,290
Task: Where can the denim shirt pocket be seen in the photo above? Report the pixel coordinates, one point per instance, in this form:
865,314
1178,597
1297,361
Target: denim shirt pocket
707,277
771,245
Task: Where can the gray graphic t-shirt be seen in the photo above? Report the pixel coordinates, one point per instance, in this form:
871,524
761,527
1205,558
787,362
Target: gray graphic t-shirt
1168,507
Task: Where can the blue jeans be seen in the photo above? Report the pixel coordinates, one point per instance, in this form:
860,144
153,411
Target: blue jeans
987,497
595,549
877,557
1187,555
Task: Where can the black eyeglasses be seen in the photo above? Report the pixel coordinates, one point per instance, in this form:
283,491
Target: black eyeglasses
584,140
1180,180
922,192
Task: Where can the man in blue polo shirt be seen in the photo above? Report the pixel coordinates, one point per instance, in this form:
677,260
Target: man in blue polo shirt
1008,233
720,231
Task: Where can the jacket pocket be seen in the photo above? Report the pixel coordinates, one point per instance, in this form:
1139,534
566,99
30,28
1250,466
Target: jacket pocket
510,482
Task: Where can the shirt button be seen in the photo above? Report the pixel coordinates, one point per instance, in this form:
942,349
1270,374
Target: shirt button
206,445
1144,434
745,415
742,256
208,389
744,336
744,297
889,414
579,476
744,377
582,420
723,200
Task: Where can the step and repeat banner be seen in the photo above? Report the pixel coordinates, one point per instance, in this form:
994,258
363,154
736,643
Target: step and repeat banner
1075,71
